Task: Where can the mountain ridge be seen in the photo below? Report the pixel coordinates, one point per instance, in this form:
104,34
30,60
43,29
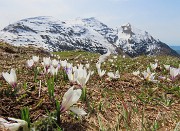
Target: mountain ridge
87,34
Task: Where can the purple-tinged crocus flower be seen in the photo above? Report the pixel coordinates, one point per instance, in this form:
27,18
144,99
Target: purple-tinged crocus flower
174,72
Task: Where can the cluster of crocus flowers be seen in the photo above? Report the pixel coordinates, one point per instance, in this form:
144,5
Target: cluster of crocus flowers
82,76
30,63
11,77
50,66
70,98
148,75
78,74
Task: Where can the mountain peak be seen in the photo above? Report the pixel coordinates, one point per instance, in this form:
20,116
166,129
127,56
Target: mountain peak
90,19
127,29
87,34
126,25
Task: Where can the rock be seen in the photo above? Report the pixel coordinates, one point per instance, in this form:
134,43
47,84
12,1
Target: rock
13,124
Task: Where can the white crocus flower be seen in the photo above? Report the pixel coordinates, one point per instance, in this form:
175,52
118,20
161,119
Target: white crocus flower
115,57
70,98
156,60
174,72
110,60
101,72
124,56
30,63
78,111
91,72
63,63
136,73
55,63
10,78
82,76
58,57
46,62
35,58
52,55
98,65
72,76
115,75
167,67
153,66
53,70
80,66
69,65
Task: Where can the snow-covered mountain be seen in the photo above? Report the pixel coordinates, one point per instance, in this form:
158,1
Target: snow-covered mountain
88,34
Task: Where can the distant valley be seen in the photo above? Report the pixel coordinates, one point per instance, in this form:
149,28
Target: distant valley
176,48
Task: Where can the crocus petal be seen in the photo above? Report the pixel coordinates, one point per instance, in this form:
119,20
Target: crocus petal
148,70
30,63
167,67
13,75
35,58
153,66
78,111
117,75
98,65
6,77
70,98
110,74
101,72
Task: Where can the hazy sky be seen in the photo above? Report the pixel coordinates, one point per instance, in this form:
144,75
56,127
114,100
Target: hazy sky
161,18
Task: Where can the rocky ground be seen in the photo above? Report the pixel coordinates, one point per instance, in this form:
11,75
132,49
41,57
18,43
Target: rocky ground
127,103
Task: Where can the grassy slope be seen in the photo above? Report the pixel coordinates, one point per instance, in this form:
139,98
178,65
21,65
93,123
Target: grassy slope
127,103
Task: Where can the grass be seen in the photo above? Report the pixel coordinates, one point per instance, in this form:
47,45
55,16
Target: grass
129,103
